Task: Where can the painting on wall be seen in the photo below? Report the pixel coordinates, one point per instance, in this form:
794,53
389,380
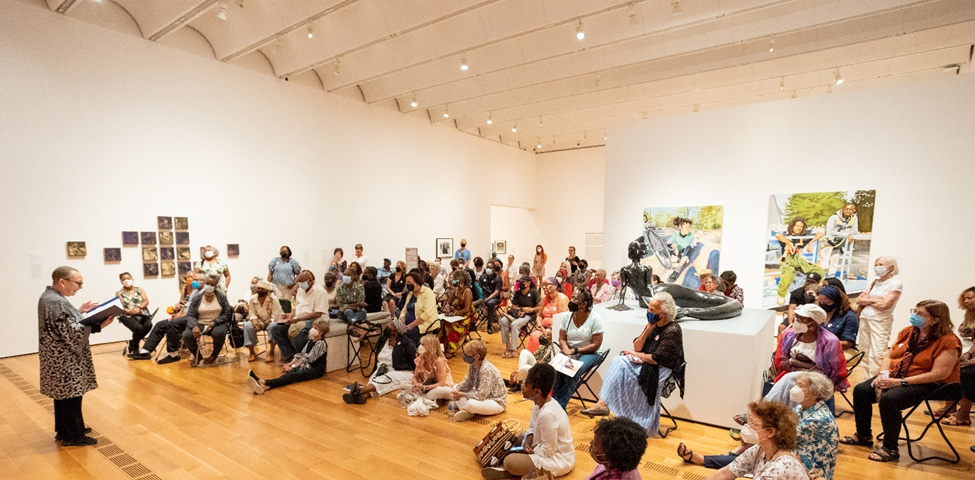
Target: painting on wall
150,254
148,238
445,248
150,269
501,247
184,267
182,223
165,223
184,253
167,253
233,250
113,255
182,238
168,269
130,239
679,242
827,233
77,250
165,237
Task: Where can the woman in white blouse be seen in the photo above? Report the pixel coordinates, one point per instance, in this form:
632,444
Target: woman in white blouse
877,313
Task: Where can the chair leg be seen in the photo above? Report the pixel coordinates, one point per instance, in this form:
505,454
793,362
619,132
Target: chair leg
666,431
935,421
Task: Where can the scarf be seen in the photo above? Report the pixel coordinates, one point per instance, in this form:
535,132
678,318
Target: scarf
914,346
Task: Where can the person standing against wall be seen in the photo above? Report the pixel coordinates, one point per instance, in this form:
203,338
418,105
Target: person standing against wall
877,313
281,271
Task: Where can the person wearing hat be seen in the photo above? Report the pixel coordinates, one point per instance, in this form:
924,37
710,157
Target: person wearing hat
709,284
383,273
841,320
263,308
799,297
523,309
807,346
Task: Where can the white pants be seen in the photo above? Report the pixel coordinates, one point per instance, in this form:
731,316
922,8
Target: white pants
438,393
872,339
526,360
480,407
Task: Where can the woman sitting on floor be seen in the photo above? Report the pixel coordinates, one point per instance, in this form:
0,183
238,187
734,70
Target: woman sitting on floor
771,428
394,366
617,446
432,377
482,392
308,364
637,379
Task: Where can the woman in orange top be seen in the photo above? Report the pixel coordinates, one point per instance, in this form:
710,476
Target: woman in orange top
923,357
554,301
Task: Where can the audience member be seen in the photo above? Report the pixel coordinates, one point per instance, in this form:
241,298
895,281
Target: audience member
580,338
419,315
308,364
463,254
564,276
350,299
841,320
966,333
482,392
771,429
281,271
638,378
329,283
732,289
385,272
438,280
338,264
523,309
395,286
373,290
432,378
459,304
538,263
601,290
709,284
801,296
173,327
263,310
511,270
617,447
492,287
359,257
310,303
211,264
395,362
526,360
208,314
572,260
877,313
553,302
136,318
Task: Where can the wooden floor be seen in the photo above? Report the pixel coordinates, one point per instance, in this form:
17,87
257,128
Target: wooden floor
176,422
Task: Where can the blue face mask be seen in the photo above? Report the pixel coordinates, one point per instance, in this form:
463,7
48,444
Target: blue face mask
303,285
917,320
455,282
652,317
346,279
196,285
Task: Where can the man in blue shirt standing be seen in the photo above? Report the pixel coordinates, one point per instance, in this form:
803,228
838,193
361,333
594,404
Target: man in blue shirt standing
463,254
282,271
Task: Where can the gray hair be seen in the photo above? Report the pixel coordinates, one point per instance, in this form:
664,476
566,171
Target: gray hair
889,260
62,273
667,304
819,385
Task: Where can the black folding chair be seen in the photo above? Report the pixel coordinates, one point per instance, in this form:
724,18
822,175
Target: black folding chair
584,382
851,364
526,331
125,349
371,332
949,393
666,413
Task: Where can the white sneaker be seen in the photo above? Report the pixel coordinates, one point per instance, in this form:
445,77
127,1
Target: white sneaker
463,416
255,386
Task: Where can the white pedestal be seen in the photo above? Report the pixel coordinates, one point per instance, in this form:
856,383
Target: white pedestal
725,360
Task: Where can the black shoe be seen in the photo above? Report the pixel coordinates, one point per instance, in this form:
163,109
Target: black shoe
507,383
141,356
86,432
354,399
250,373
168,359
82,441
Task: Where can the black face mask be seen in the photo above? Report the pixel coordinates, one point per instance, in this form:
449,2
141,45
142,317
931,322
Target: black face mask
410,287
463,245
573,307
285,255
828,308
329,284
399,269
262,294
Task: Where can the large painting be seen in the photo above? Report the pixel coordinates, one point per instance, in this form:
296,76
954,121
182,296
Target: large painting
828,233
680,242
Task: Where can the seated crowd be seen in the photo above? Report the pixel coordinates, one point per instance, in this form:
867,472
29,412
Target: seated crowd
431,312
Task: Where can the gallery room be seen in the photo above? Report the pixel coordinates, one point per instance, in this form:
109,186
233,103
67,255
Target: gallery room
537,239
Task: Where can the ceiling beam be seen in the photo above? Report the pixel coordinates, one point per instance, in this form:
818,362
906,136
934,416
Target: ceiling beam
185,18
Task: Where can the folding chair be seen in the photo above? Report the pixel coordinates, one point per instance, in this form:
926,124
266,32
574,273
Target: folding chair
371,333
125,348
526,331
584,382
666,413
851,364
229,347
949,393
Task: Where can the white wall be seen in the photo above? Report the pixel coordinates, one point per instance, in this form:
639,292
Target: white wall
101,132
517,227
913,144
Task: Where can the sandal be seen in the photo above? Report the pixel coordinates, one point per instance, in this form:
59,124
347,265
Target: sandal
856,440
741,418
954,422
938,413
883,455
687,456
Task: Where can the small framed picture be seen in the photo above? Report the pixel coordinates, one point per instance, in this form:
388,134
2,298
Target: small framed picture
113,255
165,237
184,267
168,269
182,223
77,250
148,238
500,247
167,253
130,239
445,248
233,249
150,254
150,269
182,238
165,223
184,254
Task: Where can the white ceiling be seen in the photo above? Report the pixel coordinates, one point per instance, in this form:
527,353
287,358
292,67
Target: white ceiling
527,69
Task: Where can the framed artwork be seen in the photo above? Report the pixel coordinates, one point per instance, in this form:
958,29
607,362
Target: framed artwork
184,254
184,267
165,237
148,238
501,247
77,250
168,269
150,254
233,249
679,242
130,239
150,269
167,253
445,248
113,255
182,223
182,238
165,223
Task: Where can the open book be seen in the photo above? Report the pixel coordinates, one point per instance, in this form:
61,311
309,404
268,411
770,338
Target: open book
564,364
111,308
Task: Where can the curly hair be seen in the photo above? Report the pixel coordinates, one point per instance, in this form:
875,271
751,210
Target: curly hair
624,442
585,298
792,225
678,221
781,418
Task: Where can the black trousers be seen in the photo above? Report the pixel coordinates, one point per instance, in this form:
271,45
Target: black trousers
295,376
69,423
140,325
891,403
968,383
171,329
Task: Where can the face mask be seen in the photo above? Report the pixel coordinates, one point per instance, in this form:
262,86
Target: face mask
261,293
538,250
454,282
543,340
410,287
127,283
313,333
208,289
468,359
208,254
917,320
346,279
195,285
796,394
399,269
573,307
653,317
489,271
285,255
463,245
303,285
828,308
800,328
615,283
749,435
880,270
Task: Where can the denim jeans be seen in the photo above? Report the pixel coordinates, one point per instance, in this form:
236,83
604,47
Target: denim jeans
718,461
565,386
510,330
250,335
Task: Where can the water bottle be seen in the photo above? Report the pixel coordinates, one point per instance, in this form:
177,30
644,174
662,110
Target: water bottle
451,409
403,402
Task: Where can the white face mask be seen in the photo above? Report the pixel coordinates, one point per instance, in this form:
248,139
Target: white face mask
796,394
208,254
799,327
880,270
208,289
749,435
127,283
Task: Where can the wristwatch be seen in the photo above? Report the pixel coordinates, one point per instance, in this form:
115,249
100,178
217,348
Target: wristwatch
903,382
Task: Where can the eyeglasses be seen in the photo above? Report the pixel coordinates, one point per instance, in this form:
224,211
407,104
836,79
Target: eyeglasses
77,283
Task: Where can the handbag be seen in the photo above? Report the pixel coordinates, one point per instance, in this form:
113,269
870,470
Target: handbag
491,450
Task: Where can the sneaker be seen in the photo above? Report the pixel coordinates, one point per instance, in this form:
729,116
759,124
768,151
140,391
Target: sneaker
255,386
82,441
514,388
141,356
495,473
168,359
250,373
463,416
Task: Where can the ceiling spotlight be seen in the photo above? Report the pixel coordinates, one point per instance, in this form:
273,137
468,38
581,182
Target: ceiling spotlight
838,77
539,146
446,112
310,32
514,129
338,67
580,34
489,121
782,84
677,8
771,45
413,102
222,14
463,63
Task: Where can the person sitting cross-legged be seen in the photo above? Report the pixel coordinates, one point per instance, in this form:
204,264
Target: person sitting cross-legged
308,364
395,362
482,392
432,377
